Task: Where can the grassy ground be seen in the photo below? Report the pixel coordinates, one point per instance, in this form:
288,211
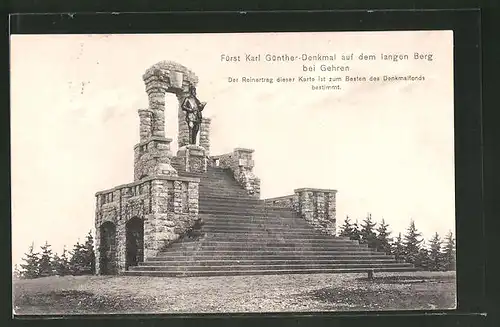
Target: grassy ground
284,293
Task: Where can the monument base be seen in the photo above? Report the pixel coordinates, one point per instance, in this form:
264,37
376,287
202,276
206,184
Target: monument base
193,158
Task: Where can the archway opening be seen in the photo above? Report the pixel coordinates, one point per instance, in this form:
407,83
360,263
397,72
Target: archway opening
172,120
107,262
135,241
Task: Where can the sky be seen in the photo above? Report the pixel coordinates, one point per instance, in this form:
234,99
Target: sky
387,147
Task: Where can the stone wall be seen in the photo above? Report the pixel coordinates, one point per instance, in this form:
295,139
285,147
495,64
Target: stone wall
241,164
287,201
167,205
318,208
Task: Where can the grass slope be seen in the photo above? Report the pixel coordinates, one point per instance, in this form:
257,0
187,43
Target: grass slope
297,293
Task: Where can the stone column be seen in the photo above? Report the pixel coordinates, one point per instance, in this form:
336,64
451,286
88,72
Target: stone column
121,245
205,135
157,106
97,247
145,128
183,132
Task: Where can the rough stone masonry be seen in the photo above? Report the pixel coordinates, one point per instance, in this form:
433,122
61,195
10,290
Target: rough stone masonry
165,205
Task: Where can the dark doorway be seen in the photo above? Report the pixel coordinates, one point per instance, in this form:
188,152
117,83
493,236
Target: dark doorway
135,241
107,262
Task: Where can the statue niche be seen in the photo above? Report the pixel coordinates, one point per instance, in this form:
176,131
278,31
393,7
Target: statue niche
193,108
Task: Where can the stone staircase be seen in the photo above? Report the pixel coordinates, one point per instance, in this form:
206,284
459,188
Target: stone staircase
240,235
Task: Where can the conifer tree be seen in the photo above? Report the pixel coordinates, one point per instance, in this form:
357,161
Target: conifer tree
368,235
449,252
383,239
88,255
16,274
346,228
435,256
397,248
355,233
61,263
30,269
411,243
46,261
422,259
77,261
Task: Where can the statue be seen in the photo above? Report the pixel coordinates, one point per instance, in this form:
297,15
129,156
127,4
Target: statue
193,108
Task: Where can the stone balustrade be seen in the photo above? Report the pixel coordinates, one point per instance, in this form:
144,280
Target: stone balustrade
241,163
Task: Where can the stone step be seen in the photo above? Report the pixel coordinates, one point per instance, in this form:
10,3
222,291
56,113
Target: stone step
256,221
254,242
263,224
246,212
180,273
258,207
252,255
224,192
256,247
238,267
211,199
271,261
276,238
216,233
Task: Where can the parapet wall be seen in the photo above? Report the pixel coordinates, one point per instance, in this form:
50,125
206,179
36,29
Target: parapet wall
316,206
241,164
168,207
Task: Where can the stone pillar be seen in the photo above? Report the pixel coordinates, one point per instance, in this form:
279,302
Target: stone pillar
97,246
157,106
121,245
193,196
183,129
331,212
242,166
318,208
205,135
145,127
177,197
193,158
152,157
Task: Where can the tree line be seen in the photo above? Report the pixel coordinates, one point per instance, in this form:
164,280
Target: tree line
436,255
43,263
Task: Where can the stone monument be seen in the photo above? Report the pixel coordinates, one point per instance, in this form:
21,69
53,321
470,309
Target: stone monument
138,219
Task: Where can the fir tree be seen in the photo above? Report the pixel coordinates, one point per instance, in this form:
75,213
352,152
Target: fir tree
355,232
30,269
16,274
449,250
61,263
411,243
88,255
383,238
346,228
46,261
77,261
397,248
435,256
422,258
368,235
